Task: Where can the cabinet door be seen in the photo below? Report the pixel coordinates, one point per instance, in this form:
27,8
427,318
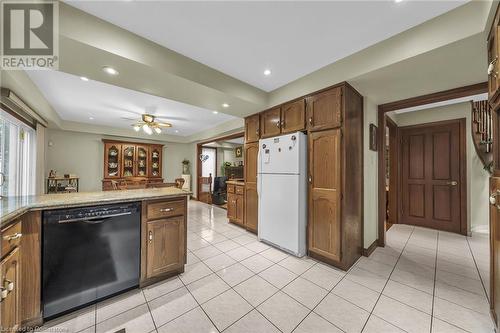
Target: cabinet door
251,206
165,250
231,206
324,110
250,165
239,208
112,160
128,160
155,161
293,116
252,128
10,306
270,123
324,194
142,161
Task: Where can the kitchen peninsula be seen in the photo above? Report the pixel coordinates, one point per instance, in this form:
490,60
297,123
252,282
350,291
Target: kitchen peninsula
105,242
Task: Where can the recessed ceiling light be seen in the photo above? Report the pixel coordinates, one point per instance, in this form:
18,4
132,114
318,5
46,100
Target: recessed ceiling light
215,112
83,78
397,1
110,70
225,105
176,131
267,72
91,118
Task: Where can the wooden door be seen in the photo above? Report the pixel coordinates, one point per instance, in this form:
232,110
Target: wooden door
293,116
324,110
252,128
433,175
142,163
251,207
112,160
165,249
495,221
10,306
324,225
128,160
270,123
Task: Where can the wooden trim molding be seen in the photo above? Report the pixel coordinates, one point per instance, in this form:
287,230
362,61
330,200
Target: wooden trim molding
368,251
474,89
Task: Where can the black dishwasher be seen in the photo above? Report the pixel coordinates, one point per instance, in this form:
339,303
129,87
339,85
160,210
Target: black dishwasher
89,253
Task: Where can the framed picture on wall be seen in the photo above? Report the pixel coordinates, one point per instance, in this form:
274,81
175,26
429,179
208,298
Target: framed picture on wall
238,151
373,137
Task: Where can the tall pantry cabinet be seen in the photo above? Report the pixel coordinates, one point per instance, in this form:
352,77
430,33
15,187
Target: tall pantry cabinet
333,120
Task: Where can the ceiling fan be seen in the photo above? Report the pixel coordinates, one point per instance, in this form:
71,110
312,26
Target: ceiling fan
149,124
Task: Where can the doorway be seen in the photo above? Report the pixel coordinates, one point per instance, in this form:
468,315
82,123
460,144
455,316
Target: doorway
433,175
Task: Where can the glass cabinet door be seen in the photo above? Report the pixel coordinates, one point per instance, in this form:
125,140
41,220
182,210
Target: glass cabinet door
142,161
155,162
112,160
128,160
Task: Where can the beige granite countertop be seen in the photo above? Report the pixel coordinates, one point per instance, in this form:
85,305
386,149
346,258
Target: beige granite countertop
12,207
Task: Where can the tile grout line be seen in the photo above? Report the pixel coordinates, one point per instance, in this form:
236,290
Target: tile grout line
477,269
387,281
434,285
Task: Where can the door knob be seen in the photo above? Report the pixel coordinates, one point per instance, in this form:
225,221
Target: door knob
452,183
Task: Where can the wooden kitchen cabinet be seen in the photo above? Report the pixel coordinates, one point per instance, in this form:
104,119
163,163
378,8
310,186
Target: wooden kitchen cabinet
165,246
252,128
493,70
293,117
10,305
164,239
251,205
324,193
324,109
236,204
270,122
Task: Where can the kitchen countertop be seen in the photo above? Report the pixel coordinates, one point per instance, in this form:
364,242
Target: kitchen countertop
12,207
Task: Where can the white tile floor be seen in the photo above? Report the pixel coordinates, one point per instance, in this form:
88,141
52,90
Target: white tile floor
422,281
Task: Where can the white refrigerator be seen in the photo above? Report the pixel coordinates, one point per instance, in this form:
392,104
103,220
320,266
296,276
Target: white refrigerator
282,191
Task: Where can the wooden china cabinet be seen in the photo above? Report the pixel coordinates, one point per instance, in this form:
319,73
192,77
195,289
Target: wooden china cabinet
131,163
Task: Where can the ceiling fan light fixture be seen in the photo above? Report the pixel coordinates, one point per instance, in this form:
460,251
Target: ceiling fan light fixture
157,130
137,128
147,118
147,129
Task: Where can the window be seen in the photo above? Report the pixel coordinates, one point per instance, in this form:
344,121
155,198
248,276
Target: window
17,156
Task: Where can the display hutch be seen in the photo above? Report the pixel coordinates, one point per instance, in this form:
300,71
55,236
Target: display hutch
131,163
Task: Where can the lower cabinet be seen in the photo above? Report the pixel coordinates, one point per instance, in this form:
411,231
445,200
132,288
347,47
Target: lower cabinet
165,246
236,204
10,307
251,206
164,239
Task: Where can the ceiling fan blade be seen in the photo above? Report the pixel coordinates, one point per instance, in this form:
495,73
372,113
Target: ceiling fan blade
129,118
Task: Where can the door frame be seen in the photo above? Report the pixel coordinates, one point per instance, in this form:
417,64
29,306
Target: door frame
462,122
441,96
394,169
200,144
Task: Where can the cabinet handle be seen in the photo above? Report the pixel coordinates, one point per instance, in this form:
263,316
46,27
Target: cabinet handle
150,237
491,68
310,179
12,237
452,183
257,132
9,285
310,121
278,124
166,210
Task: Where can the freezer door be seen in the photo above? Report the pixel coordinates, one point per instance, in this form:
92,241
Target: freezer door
282,215
282,154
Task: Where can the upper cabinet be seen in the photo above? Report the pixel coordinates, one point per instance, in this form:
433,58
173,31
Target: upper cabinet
128,159
493,68
270,122
252,128
142,161
155,161
112,162
293,117
324,110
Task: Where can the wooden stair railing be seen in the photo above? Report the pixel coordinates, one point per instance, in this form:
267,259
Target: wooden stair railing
482,134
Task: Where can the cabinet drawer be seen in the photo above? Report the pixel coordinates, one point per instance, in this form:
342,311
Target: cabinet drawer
11,237
230,188
163,209
240,190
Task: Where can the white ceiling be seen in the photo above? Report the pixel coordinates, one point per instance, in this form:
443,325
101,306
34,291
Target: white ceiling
242,39
78,101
